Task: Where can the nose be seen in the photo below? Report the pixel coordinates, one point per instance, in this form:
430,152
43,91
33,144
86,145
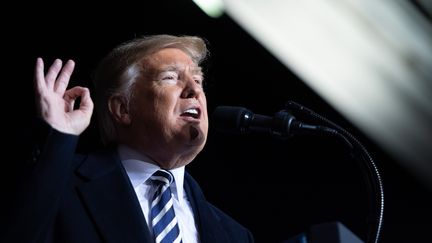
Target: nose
192,89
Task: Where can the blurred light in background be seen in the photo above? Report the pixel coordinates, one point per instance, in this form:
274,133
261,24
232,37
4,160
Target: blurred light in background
213,8
371,60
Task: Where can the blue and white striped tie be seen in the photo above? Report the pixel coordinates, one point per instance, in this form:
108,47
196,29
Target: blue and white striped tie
164,221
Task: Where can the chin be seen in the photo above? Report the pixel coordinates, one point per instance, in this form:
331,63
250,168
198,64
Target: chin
196,136
198,142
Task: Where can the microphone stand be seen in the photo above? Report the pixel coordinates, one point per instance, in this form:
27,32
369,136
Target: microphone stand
360,153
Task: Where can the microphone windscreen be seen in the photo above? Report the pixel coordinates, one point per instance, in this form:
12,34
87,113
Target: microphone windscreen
229,118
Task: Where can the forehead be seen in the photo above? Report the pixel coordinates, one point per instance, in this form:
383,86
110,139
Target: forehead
170,58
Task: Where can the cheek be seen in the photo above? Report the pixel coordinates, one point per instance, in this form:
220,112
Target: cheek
154,99
143,109
164,104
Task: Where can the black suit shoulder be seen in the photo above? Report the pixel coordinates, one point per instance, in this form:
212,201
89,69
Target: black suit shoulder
215,225
231,225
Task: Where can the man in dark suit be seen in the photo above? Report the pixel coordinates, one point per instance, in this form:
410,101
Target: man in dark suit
153,116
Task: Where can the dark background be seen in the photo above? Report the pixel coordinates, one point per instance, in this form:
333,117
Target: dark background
275,188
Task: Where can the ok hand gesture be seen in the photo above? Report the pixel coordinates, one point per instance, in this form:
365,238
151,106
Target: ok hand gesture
55,104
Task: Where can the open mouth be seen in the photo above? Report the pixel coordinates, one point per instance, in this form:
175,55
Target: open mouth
192,112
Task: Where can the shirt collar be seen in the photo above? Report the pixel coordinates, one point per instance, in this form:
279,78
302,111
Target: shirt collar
140,168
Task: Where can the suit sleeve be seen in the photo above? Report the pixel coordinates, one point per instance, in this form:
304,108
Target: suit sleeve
40,193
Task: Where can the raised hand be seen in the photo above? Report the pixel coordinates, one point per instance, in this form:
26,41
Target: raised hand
55,104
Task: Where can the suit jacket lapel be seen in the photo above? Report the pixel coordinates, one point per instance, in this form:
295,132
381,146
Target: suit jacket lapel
111,200
209,227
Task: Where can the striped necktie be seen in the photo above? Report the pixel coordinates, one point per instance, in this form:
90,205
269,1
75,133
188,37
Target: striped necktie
163,219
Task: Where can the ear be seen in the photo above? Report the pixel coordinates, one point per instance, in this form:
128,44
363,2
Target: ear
119,109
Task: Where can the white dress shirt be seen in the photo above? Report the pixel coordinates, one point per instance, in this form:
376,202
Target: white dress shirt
139,169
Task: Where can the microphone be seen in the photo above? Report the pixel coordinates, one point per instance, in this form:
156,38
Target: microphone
283,125
239,120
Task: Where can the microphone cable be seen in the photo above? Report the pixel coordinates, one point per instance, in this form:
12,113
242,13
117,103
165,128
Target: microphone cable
373,180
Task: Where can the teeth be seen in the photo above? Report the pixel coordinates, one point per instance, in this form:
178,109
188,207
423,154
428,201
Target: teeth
191,111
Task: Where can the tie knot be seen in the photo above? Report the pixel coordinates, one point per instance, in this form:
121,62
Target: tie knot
162,176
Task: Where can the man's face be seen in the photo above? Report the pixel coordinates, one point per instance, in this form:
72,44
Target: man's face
169,120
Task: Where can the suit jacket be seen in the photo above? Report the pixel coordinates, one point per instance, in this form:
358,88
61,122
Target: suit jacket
89,198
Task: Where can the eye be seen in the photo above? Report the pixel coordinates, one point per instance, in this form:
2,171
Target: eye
168,76
198,79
